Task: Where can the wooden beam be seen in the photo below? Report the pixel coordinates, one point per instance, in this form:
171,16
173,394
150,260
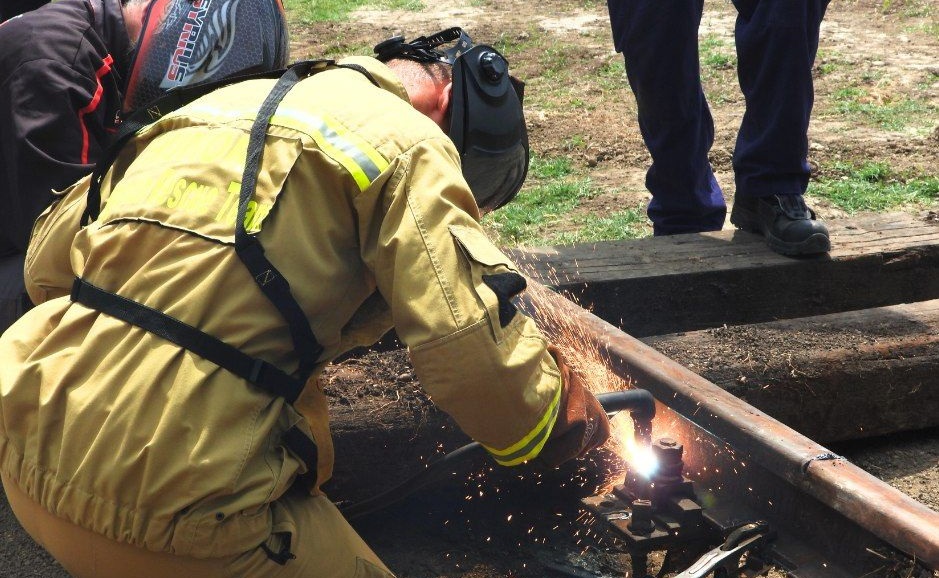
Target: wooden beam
831,377
664,285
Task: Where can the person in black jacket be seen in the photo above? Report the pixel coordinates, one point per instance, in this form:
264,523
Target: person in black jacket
70,69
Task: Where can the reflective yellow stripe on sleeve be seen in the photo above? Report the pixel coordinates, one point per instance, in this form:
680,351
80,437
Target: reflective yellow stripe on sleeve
362,161
530,445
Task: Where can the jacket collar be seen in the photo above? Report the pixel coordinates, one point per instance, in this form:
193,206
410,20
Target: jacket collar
109,24
383,75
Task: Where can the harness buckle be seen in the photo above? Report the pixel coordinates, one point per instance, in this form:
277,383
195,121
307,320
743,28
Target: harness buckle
257,368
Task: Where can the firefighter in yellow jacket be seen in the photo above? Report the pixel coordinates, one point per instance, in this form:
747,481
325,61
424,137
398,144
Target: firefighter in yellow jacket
159,408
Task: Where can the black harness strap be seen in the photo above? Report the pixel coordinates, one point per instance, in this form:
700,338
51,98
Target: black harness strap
249,249
255,371
272,283
303,445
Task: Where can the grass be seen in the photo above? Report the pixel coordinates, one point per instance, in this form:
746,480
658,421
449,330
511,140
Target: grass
561,205
611,76
555,62
715,53
546,168
510,45
628,224
718,69
885,113
527,219
307,11
907,8
575,143
929,27
828,61
341,49
552,87
874,186
544,212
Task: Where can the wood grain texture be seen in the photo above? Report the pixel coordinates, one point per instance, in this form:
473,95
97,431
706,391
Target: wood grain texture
664,285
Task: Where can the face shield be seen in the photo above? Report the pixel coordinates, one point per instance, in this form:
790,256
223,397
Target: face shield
185,42
487,124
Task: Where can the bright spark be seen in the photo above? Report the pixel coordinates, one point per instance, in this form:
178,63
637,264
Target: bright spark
583,357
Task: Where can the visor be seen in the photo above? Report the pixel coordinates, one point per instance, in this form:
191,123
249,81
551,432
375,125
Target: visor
184,42
488,127
495,178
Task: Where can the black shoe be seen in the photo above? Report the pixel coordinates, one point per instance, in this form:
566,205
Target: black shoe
787,224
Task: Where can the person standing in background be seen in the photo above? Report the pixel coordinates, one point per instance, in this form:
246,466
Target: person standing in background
776,45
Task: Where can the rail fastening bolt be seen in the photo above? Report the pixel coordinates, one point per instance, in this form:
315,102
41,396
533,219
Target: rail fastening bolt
668,452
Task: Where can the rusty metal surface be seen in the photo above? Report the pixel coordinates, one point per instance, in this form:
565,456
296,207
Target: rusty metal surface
827,504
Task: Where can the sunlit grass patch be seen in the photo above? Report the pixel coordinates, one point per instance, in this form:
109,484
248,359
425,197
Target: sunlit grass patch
510,45
529,218
718,69
342,49
549,167
628,224
716,53
829,61
537,207
888,113
874,186
542,213
612,74
908,8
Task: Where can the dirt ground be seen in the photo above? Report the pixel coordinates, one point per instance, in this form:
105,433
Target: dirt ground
489,524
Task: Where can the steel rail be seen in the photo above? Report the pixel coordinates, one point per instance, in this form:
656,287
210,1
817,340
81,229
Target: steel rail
767,444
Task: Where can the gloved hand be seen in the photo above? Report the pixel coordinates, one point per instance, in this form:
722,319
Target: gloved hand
581,423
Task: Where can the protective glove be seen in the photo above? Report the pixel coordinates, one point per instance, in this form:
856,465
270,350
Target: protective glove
581,423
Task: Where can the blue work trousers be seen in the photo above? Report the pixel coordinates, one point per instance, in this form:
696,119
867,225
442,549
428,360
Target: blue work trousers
776,43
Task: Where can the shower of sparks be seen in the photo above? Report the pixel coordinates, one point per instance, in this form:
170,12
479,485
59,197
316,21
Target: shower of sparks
626,461
584,357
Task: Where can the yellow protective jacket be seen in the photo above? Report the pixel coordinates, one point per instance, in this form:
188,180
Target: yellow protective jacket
361,205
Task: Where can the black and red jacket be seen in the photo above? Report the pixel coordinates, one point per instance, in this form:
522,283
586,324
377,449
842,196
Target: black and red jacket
62,73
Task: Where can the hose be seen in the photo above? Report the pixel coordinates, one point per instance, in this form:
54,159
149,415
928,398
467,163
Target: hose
639,403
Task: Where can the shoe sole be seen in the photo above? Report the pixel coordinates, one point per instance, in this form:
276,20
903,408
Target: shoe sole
814,245
746,220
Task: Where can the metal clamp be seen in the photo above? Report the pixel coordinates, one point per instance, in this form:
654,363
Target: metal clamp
725,559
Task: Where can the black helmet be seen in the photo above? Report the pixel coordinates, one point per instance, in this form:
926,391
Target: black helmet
184,42
486,120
